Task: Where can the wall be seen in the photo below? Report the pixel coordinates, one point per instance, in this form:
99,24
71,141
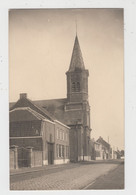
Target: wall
11,153
61,149
76,143
37,159
36,143
48,136
25,128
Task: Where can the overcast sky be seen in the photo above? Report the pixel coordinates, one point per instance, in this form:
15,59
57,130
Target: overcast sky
40,48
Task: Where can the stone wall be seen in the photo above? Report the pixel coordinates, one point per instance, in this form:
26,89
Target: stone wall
11,154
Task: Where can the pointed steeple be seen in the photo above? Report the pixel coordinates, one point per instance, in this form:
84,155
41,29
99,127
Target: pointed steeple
76,59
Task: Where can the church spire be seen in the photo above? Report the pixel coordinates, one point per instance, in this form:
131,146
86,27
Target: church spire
76,59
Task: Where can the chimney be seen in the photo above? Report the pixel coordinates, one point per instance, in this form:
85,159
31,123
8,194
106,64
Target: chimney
23,95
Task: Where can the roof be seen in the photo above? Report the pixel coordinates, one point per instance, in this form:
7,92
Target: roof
24,114
76,59
51,109
55,107
25,102
103,142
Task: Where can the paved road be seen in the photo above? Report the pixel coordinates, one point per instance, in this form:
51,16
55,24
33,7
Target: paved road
69,177
113,180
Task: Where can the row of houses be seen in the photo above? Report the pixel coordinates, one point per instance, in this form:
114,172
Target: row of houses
101,150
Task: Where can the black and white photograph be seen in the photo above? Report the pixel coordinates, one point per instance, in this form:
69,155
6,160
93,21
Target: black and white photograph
66,99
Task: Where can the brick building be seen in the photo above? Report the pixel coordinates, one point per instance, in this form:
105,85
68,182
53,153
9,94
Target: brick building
106,148
36,138
73,111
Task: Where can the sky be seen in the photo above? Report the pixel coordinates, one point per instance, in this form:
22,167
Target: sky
40,49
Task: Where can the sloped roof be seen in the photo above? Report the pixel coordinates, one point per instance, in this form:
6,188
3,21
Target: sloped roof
76,59
25,102
54,106
24,114
103,142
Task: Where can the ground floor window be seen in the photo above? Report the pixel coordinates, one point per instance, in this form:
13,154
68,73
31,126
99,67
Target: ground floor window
67,151
62,151
59,150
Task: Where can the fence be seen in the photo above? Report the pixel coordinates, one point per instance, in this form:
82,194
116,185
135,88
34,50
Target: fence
25,157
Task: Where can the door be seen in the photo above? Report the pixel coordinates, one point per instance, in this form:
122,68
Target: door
50,153
22,157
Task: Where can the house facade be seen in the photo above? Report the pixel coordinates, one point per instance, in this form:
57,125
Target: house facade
34,137
100,149
106,148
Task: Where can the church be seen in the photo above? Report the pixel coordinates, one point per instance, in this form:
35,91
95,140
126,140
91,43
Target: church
71,113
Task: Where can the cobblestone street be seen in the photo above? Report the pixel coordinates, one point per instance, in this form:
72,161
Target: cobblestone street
75,177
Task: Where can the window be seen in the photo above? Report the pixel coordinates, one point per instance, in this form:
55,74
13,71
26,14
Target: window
62,151
97,154
78,87
50,137
36,132
63,135
67,151
57,134
75,87
59,150
60,135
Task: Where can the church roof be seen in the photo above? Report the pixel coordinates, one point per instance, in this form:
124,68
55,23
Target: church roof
76,59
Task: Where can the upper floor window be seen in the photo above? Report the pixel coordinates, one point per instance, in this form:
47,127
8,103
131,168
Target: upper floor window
57,134
66,137
60,135
36,132
50,137
63,135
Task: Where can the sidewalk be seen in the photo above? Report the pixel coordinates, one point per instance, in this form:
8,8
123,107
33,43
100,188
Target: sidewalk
48,167
35,169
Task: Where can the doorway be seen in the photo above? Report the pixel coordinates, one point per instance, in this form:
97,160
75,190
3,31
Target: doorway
50,153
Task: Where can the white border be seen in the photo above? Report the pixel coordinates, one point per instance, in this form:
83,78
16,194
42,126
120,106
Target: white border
130,84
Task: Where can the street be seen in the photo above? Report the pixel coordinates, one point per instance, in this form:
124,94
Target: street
113,180
97,175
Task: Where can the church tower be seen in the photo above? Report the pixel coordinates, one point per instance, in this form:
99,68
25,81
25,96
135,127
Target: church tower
77,76
77,109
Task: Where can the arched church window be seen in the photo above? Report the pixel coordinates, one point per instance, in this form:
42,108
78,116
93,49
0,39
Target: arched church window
73,86
78,87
